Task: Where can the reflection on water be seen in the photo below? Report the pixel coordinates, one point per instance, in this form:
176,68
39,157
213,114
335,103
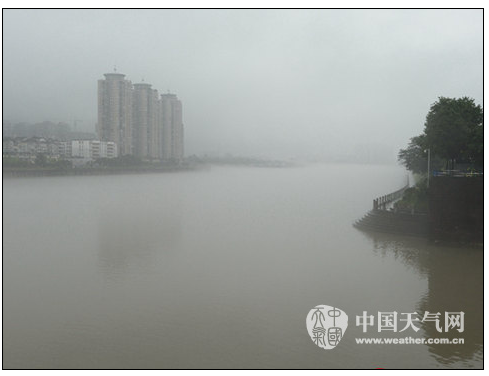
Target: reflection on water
218,269
132,237
455,284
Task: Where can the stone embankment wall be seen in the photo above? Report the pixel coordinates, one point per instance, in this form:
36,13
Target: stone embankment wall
456,213
456,208
394,223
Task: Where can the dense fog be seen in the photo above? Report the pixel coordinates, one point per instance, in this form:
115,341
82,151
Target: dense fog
316,84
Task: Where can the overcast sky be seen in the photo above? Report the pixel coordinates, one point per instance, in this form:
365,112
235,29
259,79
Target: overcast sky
272,83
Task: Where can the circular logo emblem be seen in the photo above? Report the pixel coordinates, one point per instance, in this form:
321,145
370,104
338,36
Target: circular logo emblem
326,325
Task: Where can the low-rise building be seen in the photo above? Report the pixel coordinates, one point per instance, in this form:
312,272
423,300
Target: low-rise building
29,148
93,149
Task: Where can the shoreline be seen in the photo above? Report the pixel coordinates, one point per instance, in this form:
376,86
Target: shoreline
39,172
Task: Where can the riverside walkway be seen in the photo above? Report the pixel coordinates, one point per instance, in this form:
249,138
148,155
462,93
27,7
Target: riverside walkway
382,219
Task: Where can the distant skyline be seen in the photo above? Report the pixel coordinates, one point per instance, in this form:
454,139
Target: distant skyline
271,83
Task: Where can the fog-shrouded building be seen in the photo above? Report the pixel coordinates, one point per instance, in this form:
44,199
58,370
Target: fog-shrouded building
115,111
139,122
145,121
171,127
91,149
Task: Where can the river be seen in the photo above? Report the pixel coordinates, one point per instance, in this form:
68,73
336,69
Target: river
219,269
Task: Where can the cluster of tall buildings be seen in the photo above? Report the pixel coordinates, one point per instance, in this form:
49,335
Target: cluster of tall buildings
138,120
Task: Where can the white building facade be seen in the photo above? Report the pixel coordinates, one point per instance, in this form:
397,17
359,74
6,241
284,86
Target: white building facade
93,149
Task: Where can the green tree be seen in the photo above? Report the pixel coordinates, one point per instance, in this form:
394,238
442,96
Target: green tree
63,164
414,157
454,130
41,160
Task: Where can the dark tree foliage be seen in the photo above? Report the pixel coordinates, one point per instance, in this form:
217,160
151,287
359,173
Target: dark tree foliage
16,162
120,161
414,157
41,160
454,131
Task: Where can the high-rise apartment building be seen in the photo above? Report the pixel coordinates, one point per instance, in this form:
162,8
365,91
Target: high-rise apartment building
171,127
137,121
115,111
145,121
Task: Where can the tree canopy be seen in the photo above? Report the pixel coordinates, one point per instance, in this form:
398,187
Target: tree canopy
454,131
414,156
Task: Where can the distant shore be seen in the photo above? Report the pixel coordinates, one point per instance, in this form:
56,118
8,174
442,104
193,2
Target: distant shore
9,172
113,167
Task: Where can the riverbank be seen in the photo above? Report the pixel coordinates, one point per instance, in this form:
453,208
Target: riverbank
454,212
394,223
77,171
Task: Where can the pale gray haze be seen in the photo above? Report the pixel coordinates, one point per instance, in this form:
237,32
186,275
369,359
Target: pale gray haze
156,261
268,83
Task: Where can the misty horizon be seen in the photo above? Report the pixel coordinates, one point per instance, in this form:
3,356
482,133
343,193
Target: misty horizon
268,83
309,196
